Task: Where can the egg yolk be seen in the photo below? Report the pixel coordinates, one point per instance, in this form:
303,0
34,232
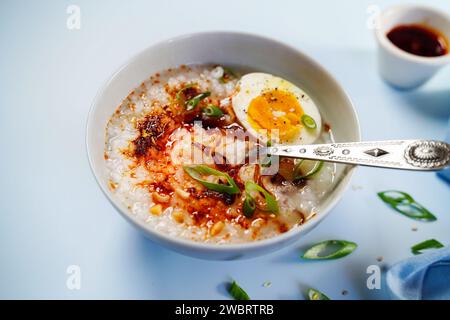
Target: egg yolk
276,110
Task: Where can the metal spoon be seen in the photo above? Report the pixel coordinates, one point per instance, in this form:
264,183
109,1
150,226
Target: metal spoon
422,155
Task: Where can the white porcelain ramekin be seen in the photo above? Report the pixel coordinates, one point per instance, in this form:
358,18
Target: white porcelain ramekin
400,68
230,49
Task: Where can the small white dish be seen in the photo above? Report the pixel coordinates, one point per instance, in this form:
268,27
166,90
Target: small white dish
229,49
398,67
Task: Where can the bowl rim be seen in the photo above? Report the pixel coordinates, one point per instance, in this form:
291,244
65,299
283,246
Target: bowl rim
383,40
222,247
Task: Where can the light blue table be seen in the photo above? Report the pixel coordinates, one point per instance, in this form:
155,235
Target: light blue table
52,213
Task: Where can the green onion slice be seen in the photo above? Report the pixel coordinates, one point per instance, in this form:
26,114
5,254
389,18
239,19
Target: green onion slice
193,102
180,92
252,190
428,244
415,211
197,171
330,249
212,111
306,169
313,294
406,205
249,207
227,74
308,122
266,162
395,197
237,292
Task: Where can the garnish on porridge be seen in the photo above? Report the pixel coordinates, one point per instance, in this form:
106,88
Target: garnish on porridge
179,149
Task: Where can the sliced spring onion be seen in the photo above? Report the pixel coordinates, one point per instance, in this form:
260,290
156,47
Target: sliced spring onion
227,74
306,169
266,162
197,171
252,188
308,122
415,211
249,207
406,205
313,294
395,197
428,244
237,292
180,92
330,249
212,111
193,102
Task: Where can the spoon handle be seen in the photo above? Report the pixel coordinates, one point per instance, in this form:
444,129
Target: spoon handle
423,155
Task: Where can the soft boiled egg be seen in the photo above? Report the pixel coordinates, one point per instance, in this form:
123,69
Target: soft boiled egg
269,106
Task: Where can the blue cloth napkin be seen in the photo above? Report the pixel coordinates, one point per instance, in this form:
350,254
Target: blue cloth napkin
422,277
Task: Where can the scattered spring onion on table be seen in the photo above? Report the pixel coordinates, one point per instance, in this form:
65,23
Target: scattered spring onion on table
212,111
427,244
237,292
308,122
193,102
330,249
306,169
313,294
198,171
250,204
406,205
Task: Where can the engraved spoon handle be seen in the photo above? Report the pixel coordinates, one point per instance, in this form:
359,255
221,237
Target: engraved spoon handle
424,155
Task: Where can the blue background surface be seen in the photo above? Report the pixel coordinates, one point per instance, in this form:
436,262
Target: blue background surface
52,213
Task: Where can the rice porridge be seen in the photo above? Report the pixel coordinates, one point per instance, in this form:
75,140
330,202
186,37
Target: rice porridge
177,152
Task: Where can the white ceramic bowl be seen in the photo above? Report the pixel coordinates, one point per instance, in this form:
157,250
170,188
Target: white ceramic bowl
400,68
230,49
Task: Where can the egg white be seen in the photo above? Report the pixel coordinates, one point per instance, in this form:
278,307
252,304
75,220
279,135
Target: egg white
253,85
